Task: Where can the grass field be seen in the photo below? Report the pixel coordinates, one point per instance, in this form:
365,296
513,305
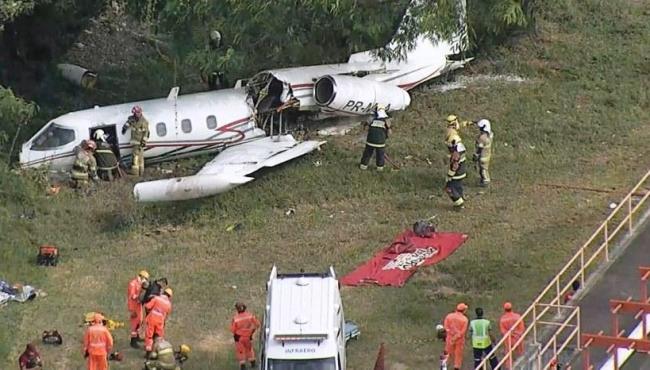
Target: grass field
582,118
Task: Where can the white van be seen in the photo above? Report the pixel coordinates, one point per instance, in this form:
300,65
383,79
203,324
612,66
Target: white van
303,323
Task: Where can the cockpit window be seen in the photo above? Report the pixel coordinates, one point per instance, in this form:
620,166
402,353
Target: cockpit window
53,137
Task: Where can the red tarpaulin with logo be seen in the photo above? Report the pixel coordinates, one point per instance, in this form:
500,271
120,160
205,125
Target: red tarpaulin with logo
394,265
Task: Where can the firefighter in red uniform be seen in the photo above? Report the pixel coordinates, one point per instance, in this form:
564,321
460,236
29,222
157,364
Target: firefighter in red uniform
242,327
135,306
98,343
159,308
455,325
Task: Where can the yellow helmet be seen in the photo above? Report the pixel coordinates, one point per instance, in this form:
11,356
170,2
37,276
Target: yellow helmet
144,274
451,118
169,292
185,349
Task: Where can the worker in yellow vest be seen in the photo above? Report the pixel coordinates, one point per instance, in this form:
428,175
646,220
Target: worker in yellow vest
482,339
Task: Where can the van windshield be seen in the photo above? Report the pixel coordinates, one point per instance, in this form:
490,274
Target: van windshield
53,137
311,364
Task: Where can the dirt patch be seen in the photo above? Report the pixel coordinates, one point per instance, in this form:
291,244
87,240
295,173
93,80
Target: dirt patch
111,41
214,343
398,366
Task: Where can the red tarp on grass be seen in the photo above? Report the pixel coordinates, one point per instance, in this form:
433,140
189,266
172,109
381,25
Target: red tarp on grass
394,265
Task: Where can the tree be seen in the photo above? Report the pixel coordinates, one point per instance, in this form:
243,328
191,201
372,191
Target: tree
10,9
262,34
14,112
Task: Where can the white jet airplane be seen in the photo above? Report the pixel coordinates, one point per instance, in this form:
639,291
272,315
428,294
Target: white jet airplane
228,121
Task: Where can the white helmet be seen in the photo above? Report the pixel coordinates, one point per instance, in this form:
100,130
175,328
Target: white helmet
100,135
484,125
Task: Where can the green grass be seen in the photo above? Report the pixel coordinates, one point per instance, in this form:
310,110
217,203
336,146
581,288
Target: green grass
582,119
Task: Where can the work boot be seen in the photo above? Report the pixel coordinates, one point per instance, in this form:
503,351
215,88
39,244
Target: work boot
363,166
147,354
134,342
380,169
253,365
242,366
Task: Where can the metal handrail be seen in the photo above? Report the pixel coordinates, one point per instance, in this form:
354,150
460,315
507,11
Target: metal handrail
555,302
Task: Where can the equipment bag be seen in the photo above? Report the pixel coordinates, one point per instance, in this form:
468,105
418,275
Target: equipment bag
52,337
424,229
47,255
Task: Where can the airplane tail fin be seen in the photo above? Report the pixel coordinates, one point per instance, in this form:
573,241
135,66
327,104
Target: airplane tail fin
423,46
456,43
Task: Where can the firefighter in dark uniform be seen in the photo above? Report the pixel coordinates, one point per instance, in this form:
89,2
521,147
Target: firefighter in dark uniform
106,159
455,174
139,136
378,132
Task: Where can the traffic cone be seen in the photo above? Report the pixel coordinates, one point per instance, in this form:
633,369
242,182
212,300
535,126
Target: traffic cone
379,364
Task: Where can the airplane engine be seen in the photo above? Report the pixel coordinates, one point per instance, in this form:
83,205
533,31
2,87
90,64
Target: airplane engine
357,95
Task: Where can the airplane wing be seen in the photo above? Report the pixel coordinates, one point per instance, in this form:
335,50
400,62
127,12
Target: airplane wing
229,169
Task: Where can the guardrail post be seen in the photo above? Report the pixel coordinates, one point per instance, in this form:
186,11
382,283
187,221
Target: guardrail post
557,291
579,331
629,211
582,267
606,241
535,324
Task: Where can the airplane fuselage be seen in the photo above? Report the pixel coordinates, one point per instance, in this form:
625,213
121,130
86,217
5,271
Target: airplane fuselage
190,125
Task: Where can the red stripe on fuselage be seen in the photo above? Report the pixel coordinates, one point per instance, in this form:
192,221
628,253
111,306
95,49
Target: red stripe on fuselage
153,144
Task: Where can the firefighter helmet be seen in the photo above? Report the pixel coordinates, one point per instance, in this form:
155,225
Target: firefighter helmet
100,135
484,125
185,350
240,307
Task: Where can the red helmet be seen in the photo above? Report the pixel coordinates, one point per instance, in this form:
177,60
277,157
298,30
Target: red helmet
136,110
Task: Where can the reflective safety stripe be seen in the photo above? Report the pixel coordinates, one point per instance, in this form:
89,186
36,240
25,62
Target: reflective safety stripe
454,175
480,336
157,312
165,351
459,202
375,145
79,175
106,168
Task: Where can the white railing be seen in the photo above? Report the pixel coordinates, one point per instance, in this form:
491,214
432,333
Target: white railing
581,266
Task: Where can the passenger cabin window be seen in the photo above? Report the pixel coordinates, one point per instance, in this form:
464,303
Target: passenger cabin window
161,129
186,126
211,121
53,137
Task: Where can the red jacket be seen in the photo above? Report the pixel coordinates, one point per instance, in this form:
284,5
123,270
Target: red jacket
133,294
244,324
456,326
97,340
159,307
